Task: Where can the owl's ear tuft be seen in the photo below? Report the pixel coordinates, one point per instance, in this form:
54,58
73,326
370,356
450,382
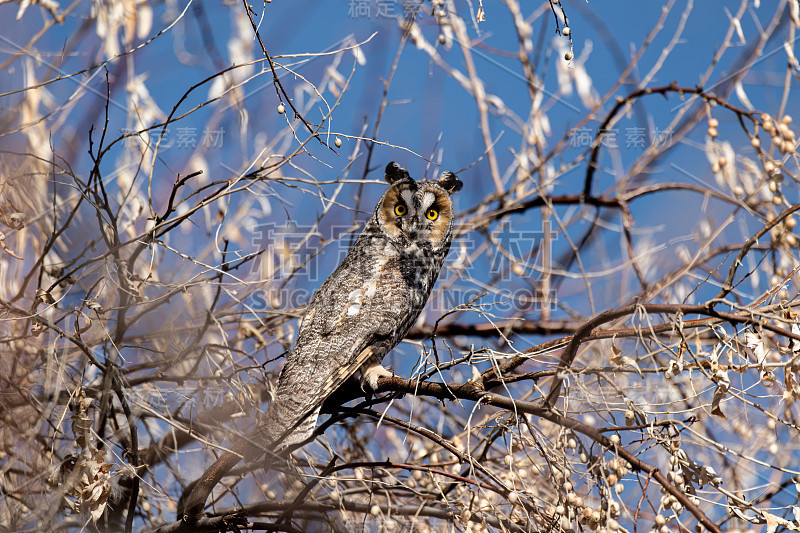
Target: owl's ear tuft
395,173
449,182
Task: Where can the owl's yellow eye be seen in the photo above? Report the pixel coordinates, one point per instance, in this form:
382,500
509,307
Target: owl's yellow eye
400,210
432,214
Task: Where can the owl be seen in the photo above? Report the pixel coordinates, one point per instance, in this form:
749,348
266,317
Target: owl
358,315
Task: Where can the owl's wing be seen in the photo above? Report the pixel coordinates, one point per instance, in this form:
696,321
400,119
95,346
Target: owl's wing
343,373
319,364
375,342
361,311
292,416
331,303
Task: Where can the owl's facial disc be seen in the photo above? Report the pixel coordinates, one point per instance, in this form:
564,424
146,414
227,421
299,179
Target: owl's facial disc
416,214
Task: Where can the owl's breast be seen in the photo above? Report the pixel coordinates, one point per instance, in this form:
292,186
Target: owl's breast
380,287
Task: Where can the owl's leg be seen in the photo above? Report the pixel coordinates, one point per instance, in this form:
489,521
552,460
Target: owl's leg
371,372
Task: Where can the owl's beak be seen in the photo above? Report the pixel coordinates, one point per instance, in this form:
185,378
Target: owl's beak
411,230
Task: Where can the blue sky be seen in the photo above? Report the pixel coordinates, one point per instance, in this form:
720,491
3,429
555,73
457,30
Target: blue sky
433,105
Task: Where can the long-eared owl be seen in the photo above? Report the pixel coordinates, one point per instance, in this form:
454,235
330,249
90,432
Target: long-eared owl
369,302
360,313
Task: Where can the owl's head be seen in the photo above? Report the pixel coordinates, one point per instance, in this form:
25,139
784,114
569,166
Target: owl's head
417,212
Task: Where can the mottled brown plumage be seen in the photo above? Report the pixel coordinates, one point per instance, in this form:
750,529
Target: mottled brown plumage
360,313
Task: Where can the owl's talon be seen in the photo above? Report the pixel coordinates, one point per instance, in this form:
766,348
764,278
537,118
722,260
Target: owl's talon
371,375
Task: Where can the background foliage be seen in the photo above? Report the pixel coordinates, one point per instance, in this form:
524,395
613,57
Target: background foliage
612,344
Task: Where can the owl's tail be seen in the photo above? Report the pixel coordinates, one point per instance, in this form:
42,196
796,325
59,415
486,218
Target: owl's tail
284,429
